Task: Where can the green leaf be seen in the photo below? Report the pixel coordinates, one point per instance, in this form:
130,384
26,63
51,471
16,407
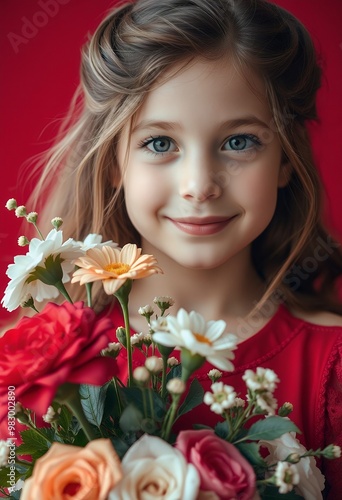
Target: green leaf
175,372
270,428
193,398
135,396
93,400
251,452
221,430
34,444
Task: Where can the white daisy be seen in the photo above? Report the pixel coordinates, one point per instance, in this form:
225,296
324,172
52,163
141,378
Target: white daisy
24,265
94,240
192,332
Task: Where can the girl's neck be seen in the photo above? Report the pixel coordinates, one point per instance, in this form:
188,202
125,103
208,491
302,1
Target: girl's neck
229,292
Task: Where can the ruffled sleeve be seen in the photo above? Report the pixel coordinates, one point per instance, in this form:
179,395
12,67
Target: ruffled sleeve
333,428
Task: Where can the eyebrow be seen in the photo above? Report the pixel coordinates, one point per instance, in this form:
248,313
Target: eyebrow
165,125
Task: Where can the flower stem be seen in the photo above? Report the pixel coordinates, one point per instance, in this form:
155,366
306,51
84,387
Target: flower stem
163,384
61,288
122,295
89,287
68,394
75,406
170,417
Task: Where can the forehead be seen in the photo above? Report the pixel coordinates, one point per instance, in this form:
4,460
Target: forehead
201,86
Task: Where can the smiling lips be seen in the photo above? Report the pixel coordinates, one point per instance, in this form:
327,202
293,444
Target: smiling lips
201,226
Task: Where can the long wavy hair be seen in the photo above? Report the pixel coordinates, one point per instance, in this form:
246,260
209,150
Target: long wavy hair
131,50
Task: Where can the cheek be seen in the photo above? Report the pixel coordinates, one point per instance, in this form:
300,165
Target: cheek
143,194
256,191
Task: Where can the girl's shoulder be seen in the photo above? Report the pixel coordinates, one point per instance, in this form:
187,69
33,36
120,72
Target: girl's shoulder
321,318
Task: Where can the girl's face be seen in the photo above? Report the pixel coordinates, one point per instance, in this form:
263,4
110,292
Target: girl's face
202,167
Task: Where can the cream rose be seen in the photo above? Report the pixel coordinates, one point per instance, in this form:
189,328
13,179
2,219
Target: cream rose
154,469
66,471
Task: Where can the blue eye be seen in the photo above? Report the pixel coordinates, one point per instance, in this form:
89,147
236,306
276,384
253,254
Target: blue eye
241,142
159,145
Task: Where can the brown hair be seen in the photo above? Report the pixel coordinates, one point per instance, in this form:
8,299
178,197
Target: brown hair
131,49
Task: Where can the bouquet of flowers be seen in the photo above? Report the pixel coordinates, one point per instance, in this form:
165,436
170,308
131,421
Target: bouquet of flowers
80,419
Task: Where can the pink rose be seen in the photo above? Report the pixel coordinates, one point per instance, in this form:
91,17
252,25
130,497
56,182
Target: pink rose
60,344
223,470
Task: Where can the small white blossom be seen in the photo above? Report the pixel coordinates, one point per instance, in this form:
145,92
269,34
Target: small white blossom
154,364
112,348
239,403
221,398
172,361
51,415
32,217
214,374
141,374
20,211
286,476
160,324
267,402
163,302
11,204
4,453
146,311
23,241
176,386
262,379
137,339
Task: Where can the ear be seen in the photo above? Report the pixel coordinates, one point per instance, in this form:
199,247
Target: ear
285,172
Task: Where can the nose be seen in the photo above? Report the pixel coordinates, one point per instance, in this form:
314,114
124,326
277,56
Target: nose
199,180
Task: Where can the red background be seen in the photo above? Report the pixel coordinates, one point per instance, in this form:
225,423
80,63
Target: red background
40,54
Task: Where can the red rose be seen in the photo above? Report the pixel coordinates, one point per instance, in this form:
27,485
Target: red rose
60,344
223,470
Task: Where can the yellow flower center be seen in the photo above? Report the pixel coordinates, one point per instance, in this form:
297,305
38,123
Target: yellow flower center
202,338
117,268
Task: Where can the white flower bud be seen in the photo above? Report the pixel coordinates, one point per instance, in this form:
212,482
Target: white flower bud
23,241
141,374
20,211
332,451
163,302
172,361
51,415
32,217
4,453
214,375
154,364
112,349
176,386
57,222
11,204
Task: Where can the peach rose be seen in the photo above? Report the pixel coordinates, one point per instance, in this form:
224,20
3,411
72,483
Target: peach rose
70,471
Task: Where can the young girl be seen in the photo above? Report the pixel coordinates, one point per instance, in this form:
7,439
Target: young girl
188,137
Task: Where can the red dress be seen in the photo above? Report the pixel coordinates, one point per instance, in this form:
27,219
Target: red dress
307,359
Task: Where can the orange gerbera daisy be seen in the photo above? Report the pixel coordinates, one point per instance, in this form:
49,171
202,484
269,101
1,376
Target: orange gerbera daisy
113,266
